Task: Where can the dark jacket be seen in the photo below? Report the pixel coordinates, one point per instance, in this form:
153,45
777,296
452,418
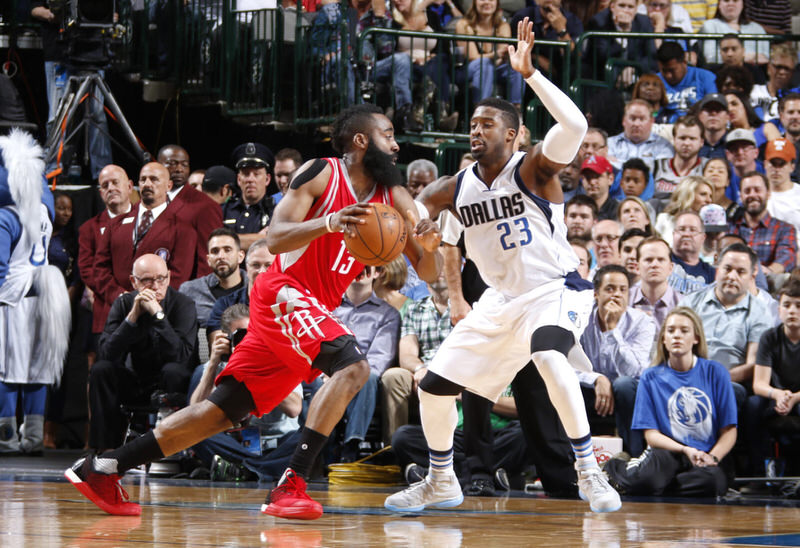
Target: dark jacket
151,343
641,50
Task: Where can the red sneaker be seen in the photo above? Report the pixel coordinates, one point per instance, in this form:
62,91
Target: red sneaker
102,489
289,500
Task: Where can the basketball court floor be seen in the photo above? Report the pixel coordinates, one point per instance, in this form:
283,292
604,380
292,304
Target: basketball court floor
40,509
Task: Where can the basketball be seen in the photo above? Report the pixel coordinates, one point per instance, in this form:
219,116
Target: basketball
381,239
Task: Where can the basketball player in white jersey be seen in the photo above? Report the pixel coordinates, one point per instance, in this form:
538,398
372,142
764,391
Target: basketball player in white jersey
511,206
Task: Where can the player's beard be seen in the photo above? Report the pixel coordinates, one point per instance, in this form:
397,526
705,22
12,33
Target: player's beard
380,167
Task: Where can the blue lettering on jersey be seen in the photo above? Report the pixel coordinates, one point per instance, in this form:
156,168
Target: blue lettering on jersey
492,210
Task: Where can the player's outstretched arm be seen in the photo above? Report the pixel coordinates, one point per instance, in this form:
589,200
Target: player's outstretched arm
422,248
563,141
288,230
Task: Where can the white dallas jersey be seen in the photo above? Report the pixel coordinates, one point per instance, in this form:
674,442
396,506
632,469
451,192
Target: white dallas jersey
29,253
517,240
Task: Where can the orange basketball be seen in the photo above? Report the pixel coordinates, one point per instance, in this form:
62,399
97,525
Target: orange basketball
381,239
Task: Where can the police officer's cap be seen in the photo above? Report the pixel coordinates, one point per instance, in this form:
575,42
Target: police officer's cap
253,155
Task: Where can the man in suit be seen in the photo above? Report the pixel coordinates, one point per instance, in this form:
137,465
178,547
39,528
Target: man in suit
190,205
620,16
115,191
156,326
150,227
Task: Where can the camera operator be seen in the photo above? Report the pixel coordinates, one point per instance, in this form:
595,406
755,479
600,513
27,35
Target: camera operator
262,448
59,66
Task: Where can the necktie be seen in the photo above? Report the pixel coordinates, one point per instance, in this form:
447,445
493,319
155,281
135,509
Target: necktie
144,226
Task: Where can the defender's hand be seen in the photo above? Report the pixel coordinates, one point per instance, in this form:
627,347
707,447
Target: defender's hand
520,57
426,232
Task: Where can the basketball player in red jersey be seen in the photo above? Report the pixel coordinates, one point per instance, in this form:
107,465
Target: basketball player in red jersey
293,335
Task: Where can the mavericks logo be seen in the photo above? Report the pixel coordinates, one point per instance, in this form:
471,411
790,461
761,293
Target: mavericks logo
574,318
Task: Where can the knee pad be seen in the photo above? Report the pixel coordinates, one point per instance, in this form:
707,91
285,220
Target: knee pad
552,337
439,386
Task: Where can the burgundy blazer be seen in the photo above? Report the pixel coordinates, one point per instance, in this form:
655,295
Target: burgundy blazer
203,214
90,236
168,237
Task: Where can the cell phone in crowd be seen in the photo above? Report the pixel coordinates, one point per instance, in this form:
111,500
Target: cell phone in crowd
237,336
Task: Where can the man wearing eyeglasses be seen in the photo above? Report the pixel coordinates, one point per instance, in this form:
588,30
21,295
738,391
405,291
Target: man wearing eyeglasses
156,327
782,61
190,205
784,199
689,273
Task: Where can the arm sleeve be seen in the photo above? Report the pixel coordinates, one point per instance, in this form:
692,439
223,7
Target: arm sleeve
118,335
630,352
176,334
786,248
644,409
766,345
107,285
10,232
86,252
563,141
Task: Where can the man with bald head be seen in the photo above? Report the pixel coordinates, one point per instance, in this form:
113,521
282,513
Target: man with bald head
149,227
190,205
115,191
157,327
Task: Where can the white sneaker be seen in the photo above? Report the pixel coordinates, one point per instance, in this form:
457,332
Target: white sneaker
441,493
594,488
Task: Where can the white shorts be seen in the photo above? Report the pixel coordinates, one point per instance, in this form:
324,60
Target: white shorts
492,343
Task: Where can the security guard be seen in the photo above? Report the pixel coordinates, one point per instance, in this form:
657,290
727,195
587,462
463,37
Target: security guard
249,213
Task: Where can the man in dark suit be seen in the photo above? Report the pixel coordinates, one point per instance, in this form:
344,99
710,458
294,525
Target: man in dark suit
150,227
156,326
115,191
620,16
190,205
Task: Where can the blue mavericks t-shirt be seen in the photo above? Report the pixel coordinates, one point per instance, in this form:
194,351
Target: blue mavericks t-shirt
695,85
688,406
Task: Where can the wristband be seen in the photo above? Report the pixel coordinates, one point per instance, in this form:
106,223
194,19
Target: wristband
422,366
328,226
716,460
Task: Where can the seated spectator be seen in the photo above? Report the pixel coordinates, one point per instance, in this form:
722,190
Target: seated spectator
666,16
419,174
759,287
633,180
424,327
150,227
784,195
595,143
736,80
774,15
717,171
156,327
250,211
734,73
730,18
620,16
689,273
773,241
651,89
787,125
257,261
652,294
617,341
224,256
713,114
691,194
685,407
570,179
741,112
780,69
773,408
195,179
735,318
191,207
277,432
685,84
584,257
634,213
699,11
637,139
391,279
287,162
580,215
376,326
715,224
597,176
484,59
628,243
218,183
742,154
553,23
687,140
605,235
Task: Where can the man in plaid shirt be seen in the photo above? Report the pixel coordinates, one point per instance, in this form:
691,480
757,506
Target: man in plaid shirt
774,241
425,325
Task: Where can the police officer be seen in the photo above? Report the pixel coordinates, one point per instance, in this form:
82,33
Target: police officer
249,213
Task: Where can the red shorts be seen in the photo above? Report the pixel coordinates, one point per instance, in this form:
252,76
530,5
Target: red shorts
287,327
